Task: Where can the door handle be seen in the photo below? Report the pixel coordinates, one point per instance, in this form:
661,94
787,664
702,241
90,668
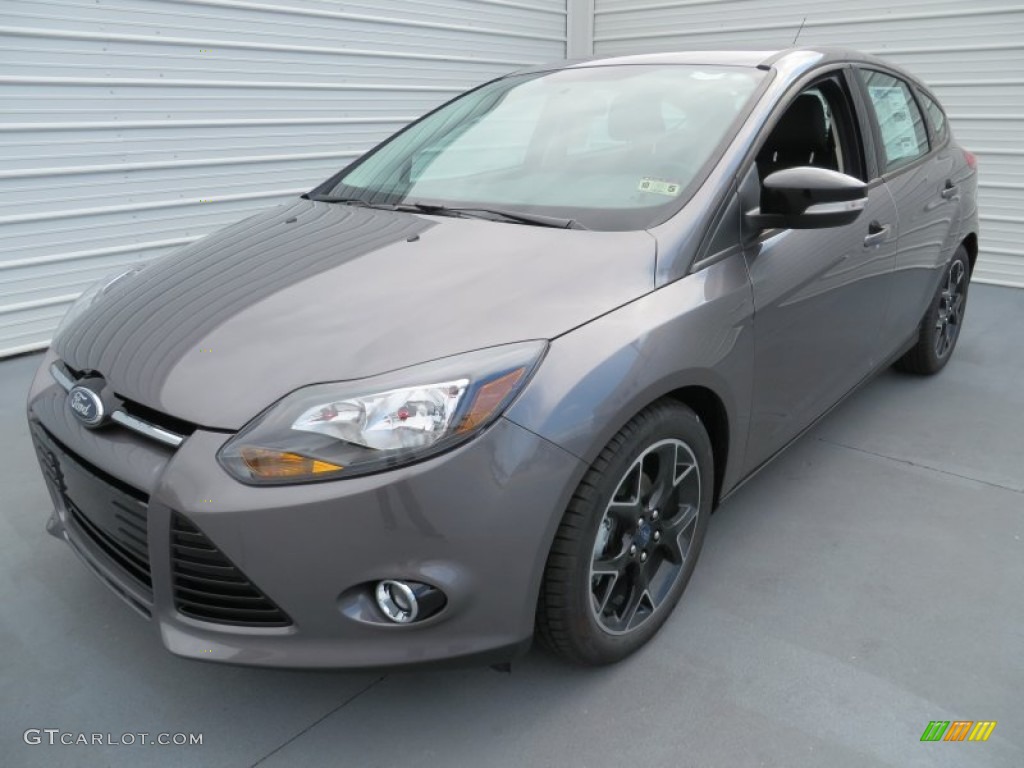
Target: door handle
950,190
876,234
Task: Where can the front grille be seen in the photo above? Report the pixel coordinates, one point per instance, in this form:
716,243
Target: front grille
67,376
208,586
48,463
158,418
111,514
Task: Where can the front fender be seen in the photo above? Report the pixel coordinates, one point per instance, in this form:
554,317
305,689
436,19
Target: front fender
696,331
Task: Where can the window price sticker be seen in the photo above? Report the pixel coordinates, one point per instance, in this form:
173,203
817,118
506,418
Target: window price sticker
894,117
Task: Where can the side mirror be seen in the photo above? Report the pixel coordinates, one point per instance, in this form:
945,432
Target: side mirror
808,198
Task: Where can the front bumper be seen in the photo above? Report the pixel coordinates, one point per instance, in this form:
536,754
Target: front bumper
476,522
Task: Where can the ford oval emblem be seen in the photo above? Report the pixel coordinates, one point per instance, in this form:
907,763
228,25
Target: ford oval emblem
86,405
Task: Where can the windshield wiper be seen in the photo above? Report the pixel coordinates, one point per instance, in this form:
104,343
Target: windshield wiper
355,201
535,219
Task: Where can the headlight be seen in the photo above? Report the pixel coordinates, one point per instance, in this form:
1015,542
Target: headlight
90,294
349,428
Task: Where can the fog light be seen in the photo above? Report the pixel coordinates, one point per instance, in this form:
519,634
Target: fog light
403,602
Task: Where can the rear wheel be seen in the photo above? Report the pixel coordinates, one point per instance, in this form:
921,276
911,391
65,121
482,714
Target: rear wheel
940,327
630,538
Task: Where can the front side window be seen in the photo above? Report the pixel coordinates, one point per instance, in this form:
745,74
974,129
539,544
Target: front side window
817,128
613,147
904,137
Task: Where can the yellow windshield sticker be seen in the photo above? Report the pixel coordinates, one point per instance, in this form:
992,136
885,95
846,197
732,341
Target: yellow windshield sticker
658,187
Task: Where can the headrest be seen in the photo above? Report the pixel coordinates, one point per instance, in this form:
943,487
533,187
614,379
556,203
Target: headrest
802,126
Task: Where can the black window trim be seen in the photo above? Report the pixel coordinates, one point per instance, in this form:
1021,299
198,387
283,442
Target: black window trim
866,125
935,143
705,257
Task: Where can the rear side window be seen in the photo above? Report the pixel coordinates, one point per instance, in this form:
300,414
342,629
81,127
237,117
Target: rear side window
935,117
904,137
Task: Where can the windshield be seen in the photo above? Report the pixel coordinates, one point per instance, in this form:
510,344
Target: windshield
611,147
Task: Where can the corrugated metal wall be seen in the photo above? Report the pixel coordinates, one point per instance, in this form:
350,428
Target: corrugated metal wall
128,127
970,53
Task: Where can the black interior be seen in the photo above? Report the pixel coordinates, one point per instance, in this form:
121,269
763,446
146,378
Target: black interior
801,137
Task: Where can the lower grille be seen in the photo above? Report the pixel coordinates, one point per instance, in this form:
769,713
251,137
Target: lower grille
104,510
208,586
129,548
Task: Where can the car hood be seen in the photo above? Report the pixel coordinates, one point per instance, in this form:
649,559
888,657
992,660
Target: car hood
312,292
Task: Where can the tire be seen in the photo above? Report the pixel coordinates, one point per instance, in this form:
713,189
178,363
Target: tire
610,582
942,321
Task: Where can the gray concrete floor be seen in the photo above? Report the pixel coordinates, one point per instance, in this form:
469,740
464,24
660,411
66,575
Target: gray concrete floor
867,582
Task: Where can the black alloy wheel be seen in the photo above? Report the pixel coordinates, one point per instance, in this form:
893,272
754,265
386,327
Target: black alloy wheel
943,320
952,299
645,536
630,538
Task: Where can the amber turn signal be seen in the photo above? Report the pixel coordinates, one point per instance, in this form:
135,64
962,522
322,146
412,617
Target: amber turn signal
267,463
488,398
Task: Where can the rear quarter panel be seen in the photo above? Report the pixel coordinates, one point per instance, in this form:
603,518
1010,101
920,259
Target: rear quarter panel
967,179
929,232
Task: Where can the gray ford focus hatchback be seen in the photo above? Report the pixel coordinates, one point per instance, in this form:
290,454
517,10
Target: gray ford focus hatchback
489,381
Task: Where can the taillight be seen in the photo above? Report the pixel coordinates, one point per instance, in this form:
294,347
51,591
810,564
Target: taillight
972,160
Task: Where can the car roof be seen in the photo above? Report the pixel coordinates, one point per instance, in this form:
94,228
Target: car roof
735,58
763,59
795,60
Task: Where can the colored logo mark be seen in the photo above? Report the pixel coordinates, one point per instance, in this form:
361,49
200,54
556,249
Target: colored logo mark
958,730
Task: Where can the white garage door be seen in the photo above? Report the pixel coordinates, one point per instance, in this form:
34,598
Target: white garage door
128,127
970,53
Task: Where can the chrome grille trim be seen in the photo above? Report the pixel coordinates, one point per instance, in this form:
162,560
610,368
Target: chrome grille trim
149,430
65,381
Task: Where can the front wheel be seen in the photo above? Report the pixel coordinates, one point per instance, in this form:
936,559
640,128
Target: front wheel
940,327
629,539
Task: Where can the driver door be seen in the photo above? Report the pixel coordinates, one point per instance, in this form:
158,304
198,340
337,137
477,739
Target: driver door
820,295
